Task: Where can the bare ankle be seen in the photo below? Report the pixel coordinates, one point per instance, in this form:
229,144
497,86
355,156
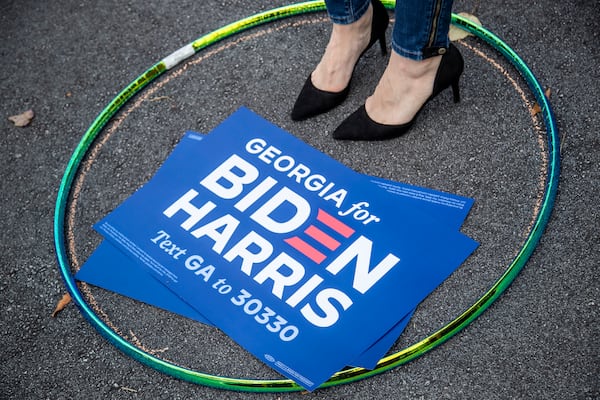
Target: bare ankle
405,86
413,69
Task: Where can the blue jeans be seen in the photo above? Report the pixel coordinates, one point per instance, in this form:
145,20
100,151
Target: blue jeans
420,30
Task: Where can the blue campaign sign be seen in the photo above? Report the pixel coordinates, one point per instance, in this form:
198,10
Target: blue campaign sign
296,257
111,269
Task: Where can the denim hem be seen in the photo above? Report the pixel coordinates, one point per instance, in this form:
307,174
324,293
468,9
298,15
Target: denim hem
419,54
349,15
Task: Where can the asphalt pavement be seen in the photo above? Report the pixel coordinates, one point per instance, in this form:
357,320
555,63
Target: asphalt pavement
67,60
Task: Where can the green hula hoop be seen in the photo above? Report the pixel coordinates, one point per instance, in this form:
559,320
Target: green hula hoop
345,376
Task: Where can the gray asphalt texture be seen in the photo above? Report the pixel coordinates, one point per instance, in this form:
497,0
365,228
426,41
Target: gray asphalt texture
67,60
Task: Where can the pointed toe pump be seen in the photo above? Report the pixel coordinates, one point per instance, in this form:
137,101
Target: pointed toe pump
313,101
359,126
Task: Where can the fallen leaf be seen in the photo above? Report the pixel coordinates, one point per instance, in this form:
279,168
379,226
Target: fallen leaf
456,33
22,119
536,109
62,303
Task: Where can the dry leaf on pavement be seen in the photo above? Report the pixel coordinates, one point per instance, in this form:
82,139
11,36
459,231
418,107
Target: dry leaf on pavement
62,303
22,119
457,33
536,109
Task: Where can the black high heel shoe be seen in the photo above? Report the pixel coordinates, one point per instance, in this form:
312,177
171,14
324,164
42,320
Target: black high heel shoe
313,101
359,126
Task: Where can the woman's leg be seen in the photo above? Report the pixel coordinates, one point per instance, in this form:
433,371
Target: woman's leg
357,25
419,40
349,37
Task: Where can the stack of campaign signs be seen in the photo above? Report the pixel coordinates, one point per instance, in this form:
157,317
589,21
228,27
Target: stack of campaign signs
307,264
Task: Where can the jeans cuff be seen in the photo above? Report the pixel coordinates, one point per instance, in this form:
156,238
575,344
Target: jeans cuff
419,55
434,51
349,15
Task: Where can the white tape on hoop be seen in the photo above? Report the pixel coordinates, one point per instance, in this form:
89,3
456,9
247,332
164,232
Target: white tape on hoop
178,56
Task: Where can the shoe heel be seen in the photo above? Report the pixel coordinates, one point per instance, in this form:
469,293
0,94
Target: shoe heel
379,24
456,91
383,45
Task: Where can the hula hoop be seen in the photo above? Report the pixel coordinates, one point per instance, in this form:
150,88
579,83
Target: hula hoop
345,376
